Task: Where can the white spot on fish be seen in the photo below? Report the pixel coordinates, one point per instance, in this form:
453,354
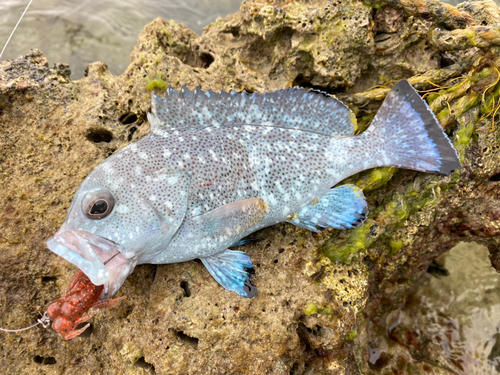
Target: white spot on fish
122,209
172,180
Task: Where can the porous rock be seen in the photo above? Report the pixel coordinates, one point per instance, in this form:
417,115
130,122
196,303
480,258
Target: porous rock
323,298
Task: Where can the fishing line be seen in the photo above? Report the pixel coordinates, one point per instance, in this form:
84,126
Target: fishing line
45,320
15,27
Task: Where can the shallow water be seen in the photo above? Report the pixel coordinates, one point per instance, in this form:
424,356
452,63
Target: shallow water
461,311
79,32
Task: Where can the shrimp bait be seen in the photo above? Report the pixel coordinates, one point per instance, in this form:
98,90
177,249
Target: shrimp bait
82,295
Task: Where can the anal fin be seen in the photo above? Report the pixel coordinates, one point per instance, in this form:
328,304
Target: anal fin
343,207
232,269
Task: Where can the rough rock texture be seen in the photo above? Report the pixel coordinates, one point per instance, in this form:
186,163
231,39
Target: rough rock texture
323,299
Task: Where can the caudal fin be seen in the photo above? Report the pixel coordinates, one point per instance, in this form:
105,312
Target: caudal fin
406,134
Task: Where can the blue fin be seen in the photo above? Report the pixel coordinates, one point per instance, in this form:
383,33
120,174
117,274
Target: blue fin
342,208
244,241
292,108
232,269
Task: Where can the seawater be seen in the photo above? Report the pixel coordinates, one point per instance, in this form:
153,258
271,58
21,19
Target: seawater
79,32
461,312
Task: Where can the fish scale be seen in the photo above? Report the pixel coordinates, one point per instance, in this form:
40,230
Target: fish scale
216,167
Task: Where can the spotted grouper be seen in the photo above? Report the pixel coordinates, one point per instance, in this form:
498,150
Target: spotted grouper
218,166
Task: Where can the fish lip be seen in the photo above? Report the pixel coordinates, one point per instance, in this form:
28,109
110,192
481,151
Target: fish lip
90,253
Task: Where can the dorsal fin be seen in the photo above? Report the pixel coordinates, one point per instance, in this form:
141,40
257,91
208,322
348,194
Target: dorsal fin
292,108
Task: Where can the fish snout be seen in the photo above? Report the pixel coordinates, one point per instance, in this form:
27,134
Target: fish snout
102,260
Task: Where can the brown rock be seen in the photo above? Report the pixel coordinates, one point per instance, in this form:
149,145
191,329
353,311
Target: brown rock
315,296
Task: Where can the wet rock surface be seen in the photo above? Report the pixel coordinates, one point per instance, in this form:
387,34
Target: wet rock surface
322,297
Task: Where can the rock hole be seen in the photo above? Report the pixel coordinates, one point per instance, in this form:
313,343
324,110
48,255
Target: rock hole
128,311
131,132
437,270
44,360
495,177
87,332
191,341
295,369
345,304
187,291
141,362
235,31
275,261
48,279
281,251
128,118
304,82
206,60
98,135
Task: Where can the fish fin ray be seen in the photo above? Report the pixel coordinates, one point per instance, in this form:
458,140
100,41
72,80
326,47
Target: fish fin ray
233,218
343,207
232,270
245,241
292,108
409,135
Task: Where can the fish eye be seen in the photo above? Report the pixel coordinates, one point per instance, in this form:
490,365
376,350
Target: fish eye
97,204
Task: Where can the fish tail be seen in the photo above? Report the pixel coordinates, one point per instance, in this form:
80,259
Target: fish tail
406,134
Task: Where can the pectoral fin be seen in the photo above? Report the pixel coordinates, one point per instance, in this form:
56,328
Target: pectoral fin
232,270
233,218
342,208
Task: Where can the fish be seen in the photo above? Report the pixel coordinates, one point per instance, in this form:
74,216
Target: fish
218,166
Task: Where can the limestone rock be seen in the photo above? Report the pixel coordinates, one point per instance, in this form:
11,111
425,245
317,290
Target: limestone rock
322,297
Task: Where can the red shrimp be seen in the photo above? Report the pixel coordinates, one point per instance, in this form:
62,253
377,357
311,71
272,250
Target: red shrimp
67,312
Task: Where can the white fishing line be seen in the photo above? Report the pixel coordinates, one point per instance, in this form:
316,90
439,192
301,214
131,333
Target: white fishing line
44,321
15,27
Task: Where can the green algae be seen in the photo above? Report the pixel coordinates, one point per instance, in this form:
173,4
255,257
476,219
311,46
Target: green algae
351,335
463,139
311,309
157,83
355,243
376,178
328,310
395,244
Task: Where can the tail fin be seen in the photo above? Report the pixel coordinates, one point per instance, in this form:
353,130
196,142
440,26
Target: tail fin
408,135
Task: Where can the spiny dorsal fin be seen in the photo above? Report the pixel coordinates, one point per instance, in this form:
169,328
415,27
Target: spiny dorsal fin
292,108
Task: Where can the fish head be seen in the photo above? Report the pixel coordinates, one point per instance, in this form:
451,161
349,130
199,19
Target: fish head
118,218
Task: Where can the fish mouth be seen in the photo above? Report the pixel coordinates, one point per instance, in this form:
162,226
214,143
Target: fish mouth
102,260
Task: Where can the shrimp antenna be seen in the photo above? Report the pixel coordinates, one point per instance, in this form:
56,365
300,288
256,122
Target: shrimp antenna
15,27
44,321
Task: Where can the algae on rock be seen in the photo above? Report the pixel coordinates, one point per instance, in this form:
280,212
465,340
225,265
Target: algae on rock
322,297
